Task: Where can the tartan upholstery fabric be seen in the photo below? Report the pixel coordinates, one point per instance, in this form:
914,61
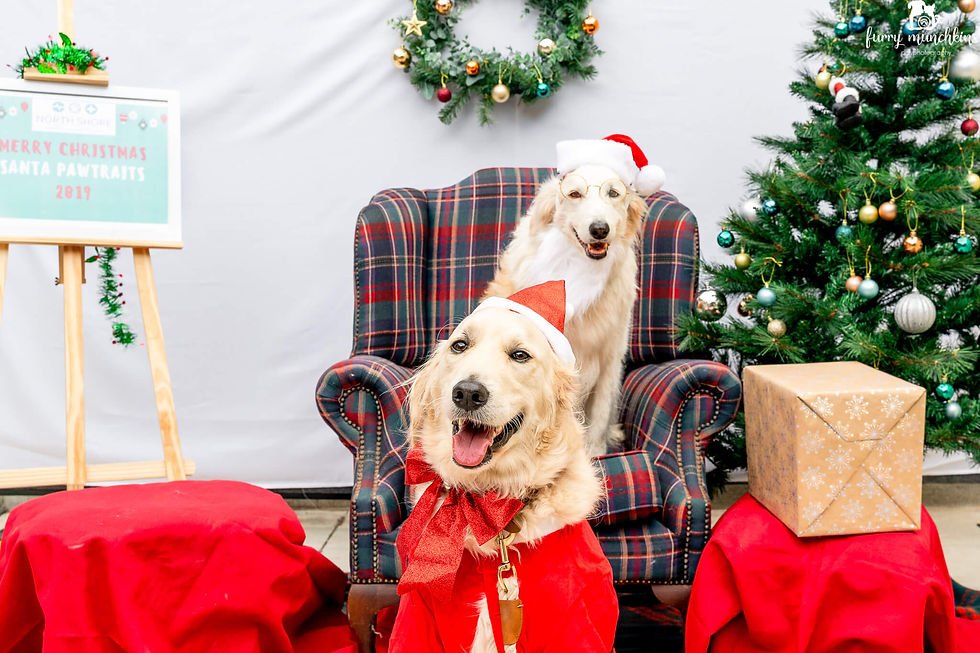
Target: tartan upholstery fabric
422,261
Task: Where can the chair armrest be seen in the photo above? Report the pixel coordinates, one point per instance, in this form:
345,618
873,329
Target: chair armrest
362,400
632,492
670,411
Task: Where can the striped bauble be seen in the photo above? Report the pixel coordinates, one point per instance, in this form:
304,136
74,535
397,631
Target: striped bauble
915,313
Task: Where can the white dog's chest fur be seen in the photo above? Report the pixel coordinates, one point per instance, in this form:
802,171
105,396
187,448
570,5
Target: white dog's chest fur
585,279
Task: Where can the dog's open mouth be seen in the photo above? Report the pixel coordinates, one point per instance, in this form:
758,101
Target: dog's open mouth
474,443
595,250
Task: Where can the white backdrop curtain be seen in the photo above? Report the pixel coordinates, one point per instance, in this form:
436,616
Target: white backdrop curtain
293,116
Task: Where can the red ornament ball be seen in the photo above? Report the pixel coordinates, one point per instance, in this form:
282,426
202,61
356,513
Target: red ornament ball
444,95
970,127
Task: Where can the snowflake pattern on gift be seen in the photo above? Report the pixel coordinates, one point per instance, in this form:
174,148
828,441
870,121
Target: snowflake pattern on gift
905,496
906,461
857,407
839,461
886,510
813,442
873,430
882,473
813,479
811,512
853,510
892,406
807,412
823,406
867,487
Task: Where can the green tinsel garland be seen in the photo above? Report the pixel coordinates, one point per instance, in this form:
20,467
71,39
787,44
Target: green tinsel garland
111,294
61,57
439,58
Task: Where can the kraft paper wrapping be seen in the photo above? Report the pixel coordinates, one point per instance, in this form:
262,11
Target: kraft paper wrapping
835,448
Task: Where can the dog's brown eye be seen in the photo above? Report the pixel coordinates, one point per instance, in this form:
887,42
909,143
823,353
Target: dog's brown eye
520,356
613,192
459,346
575,195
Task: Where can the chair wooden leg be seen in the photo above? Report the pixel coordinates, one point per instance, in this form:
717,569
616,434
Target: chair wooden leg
676,596
363,603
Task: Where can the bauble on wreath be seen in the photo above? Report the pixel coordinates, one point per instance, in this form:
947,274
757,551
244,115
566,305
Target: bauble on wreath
435,59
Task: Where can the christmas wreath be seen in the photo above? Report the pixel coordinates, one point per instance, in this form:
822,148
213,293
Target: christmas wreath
452,70
61,56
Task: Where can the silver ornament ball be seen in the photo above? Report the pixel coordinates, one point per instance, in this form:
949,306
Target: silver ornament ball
749,209
966,65
711,305
953,410
915,313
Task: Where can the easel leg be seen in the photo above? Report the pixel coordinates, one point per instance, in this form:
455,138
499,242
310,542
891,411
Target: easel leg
71,264
4,248
172,455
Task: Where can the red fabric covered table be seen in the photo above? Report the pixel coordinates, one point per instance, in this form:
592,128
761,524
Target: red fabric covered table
173,567
760,588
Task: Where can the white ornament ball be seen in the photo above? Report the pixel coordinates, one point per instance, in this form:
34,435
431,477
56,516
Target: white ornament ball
915,313
749,209
966,65
953,410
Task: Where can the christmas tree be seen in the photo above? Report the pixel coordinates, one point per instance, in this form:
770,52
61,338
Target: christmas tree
858,241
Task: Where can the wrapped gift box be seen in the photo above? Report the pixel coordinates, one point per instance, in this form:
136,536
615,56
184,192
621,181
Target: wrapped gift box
835,448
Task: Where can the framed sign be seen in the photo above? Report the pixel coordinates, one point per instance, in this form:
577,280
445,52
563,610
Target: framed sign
89,166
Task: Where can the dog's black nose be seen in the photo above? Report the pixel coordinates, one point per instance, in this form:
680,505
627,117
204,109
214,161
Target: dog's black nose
470,395
598,230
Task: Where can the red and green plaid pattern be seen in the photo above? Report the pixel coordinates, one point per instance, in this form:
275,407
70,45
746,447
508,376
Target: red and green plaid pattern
422,261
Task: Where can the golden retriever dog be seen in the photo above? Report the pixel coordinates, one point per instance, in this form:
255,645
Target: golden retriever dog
493,419
582,227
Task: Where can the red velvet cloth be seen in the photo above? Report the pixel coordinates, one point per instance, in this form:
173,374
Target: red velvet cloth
565,585
760,588
181,567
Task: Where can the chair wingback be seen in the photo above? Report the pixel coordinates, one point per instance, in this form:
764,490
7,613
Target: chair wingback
423,259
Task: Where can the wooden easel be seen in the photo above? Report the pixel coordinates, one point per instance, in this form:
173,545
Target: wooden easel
76,473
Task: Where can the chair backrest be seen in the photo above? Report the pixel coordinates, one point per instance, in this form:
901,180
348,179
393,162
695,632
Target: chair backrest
424,258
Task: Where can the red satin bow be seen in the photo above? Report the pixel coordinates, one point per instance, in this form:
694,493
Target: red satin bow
432,549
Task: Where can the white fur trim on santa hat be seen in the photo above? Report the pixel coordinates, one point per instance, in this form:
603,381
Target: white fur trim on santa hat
650,180
556,338
847,91
615,156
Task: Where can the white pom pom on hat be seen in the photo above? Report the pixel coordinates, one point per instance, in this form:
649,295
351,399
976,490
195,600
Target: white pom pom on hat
617,152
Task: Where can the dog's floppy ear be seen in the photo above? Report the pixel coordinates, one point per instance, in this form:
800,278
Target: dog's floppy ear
636,212
423,393
542,211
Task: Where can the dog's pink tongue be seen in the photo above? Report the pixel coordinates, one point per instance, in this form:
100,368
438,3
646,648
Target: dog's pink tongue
470,445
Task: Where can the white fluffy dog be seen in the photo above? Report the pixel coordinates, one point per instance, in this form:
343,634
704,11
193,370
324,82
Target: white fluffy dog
582,228
493,417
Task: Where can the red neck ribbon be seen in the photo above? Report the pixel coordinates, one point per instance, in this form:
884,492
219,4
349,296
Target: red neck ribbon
432,545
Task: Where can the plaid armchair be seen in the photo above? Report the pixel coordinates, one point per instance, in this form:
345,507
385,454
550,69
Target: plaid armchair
422,260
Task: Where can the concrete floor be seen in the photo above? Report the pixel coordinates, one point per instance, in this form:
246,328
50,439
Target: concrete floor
955,507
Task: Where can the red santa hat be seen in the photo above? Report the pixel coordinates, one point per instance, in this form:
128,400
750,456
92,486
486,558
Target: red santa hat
617,152
544,305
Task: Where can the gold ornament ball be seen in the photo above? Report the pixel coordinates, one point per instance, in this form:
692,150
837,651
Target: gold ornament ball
966,6
401,58
974,180
868,213
743,306
742,261
913,244
590,25
546,47
443,7
472,67
888,211
853,282
776,328
500,93
823,80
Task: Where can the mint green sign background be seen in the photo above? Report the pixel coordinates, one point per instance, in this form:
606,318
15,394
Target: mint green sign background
77,175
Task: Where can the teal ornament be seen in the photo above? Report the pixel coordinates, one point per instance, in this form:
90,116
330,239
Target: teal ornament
868,289
766,297
954,411
543,89
963,245
836,68
909,28
857,24
726,238
770,208
844,232
946,90
968,27
945,391
842,30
